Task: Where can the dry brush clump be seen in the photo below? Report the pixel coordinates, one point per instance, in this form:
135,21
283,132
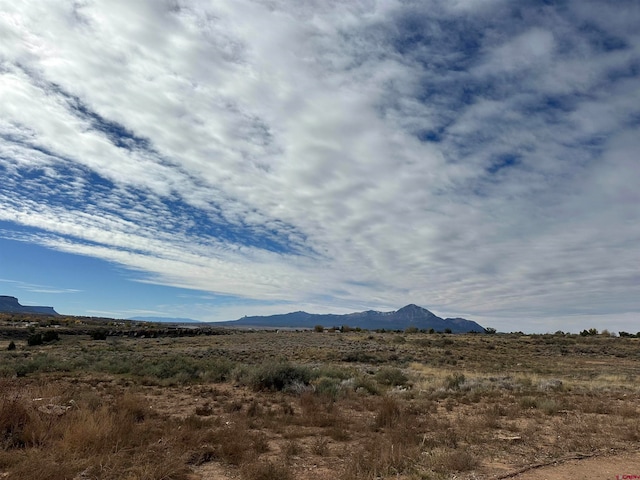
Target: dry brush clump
69,439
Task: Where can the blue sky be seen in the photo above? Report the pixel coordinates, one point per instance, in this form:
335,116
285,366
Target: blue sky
218,159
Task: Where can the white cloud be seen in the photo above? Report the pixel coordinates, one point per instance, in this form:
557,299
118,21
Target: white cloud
460,155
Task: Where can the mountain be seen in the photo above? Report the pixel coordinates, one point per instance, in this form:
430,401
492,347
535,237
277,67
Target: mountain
164,320
406,317
11,305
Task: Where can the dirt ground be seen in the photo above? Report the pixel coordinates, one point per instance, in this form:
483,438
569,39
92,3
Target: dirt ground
374,406
614,467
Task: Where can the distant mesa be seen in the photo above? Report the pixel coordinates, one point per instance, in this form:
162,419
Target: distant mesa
410,316
11,305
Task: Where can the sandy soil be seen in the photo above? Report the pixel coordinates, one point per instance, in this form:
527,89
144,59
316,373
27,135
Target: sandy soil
615,467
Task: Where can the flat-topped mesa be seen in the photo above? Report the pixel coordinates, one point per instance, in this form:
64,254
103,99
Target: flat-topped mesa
12,305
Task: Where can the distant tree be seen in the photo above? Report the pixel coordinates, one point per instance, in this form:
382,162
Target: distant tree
411,329
345,328
34,339
431,331
490,330
318,328
50,336
625,334
447,330
99,334
589,333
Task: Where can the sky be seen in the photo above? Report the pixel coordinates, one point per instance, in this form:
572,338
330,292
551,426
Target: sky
211,160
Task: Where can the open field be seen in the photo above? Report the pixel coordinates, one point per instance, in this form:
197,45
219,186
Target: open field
310,405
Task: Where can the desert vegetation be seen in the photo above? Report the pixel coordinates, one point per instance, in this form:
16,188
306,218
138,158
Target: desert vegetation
313,404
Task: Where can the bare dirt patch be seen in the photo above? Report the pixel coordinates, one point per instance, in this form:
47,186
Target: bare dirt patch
608,467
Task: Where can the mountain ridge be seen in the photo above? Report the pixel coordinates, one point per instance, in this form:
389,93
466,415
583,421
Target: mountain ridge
406,317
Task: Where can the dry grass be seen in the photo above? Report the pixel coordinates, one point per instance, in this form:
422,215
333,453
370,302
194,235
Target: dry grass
356,405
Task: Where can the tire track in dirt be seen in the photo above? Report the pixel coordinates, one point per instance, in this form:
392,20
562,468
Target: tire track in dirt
615,467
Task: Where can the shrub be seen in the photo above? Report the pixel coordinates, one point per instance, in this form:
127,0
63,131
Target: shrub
14,418
391,376
50,336
328,387
178,368
320,446
99,335
453,461
34,339
12,345
589,333
388,413
549,406
266,471
318,328
455,381
366,384
279,376
527,403
218,370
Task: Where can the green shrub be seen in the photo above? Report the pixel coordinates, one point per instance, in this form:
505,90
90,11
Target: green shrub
50,336
366,384
34,339
12,345
589,333
99,335
279,376
328,387
333,371
391,376
218,370
177,367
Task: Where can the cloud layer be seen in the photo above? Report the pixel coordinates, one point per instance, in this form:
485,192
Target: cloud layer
478,158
